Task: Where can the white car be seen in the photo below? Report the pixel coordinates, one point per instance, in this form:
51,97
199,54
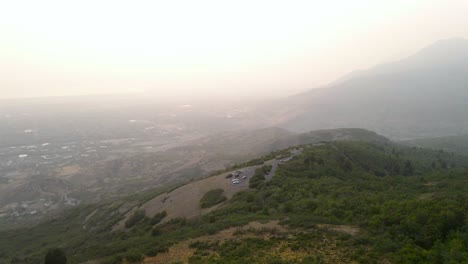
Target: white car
244,177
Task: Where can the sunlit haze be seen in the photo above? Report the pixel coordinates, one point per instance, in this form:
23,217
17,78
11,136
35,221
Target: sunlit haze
199,48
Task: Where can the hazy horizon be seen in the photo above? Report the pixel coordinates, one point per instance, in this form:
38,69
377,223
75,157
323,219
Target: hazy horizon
209,48
233,131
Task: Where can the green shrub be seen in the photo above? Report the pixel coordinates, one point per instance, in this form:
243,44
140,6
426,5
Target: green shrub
259,177
158,218
135,218
212,198
134,256
116,259
156,231
55,256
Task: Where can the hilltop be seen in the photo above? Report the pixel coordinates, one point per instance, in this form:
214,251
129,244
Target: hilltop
334,201
32,193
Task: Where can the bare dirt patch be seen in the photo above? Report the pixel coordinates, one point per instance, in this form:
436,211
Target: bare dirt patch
426,196
182,252
185,201
350,230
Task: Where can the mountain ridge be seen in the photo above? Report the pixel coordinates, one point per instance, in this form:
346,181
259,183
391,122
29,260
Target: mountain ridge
423,95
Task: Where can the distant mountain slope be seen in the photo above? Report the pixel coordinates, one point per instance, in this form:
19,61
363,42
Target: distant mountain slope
456,144
424,95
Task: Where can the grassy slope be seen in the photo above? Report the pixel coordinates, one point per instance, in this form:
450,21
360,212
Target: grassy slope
414,213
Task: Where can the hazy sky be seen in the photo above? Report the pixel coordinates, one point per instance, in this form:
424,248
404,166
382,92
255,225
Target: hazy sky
209,47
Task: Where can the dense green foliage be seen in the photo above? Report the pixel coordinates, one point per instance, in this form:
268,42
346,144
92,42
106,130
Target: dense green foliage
134,256
415,213
55,256
212,198
457,144
407,211
158,217
259,176
135,218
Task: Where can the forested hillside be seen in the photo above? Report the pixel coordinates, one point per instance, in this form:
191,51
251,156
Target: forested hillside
336,202
457,144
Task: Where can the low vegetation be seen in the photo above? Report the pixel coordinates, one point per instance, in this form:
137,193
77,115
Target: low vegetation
406,211
456,144
259,177
157,218
55,256
212,198
135,218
